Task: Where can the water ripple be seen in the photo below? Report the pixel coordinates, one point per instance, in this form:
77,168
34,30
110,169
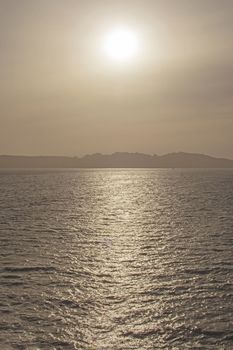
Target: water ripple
116,259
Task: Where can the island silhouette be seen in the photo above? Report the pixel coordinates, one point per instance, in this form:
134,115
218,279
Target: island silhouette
117,160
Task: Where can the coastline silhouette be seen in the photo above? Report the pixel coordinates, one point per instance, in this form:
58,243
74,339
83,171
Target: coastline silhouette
117,160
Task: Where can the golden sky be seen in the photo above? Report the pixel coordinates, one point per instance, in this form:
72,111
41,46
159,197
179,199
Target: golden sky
61,95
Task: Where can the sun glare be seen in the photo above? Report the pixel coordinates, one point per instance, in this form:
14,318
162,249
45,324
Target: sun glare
121,45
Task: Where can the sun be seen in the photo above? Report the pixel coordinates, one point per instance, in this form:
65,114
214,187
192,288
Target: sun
121,44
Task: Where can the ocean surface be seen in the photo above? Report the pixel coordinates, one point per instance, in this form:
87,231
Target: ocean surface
116,259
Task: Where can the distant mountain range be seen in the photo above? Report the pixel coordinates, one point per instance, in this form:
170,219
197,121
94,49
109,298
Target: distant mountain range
117,160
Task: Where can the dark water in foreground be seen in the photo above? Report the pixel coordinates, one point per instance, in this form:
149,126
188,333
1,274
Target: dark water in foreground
116,259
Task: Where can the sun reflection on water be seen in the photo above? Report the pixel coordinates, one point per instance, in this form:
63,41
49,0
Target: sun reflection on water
117,259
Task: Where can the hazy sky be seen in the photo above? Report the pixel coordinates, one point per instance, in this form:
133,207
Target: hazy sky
61,95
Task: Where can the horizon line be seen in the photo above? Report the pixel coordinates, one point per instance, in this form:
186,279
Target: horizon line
113,153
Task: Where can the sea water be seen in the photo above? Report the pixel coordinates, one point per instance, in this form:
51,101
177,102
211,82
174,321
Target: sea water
116,259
